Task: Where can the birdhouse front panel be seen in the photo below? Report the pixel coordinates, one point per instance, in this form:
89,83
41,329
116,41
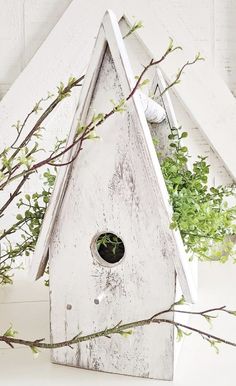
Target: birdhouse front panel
112,190
113,256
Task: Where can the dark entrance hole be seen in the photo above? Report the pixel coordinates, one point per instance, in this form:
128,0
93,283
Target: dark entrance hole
110,247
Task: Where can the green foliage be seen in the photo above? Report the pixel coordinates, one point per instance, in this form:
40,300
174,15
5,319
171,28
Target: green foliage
142,83
108,240
205,221
25,157
213,342
35,351
137,25
231,312
180,302
202,214
17,162
125,333
10,332
181,333
26,228
65,91
209,318
119,107
92,135
98,118
79,129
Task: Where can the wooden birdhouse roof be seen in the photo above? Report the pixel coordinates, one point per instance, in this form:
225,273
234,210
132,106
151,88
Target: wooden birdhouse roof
110,40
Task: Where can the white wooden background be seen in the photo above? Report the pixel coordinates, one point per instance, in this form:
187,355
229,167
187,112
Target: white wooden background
24,24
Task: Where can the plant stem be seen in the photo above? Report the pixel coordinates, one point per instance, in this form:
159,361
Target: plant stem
121,329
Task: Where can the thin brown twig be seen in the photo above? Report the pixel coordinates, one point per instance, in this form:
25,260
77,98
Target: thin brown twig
180,72
90,127
120,329
14,194
49,109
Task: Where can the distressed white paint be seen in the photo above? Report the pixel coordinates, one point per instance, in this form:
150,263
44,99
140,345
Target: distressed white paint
72,62
104,196
160,133
40,256
119,205
153,111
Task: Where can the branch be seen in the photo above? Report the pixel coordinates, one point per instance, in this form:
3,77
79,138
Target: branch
37,125
200,332
12,229
121,329
87,130
14,194
180,72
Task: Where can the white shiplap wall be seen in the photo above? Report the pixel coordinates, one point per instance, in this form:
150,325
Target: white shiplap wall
24,25
212,25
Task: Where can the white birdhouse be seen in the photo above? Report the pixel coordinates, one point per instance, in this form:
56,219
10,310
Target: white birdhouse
113,191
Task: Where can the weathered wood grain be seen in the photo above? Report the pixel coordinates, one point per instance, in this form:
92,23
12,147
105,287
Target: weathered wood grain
107,191
40,256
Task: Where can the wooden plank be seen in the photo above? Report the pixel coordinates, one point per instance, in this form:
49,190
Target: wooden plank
11,40
40,17
225,41
198,19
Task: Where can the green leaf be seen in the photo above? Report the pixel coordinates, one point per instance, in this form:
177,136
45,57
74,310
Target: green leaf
10,332
171,44
125,333
35,351
231,312
214,344
138,24
144,83
46,199
180,302
209,318
179,335
27,196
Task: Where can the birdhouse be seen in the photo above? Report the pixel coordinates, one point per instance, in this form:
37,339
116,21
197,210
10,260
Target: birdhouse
106,233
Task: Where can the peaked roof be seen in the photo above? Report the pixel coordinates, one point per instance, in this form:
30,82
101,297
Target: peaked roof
109,34
210,104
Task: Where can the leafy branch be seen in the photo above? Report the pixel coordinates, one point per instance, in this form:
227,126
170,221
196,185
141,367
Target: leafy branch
32,209
126,329
137,25
201,213
10,171
177,79
17,164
